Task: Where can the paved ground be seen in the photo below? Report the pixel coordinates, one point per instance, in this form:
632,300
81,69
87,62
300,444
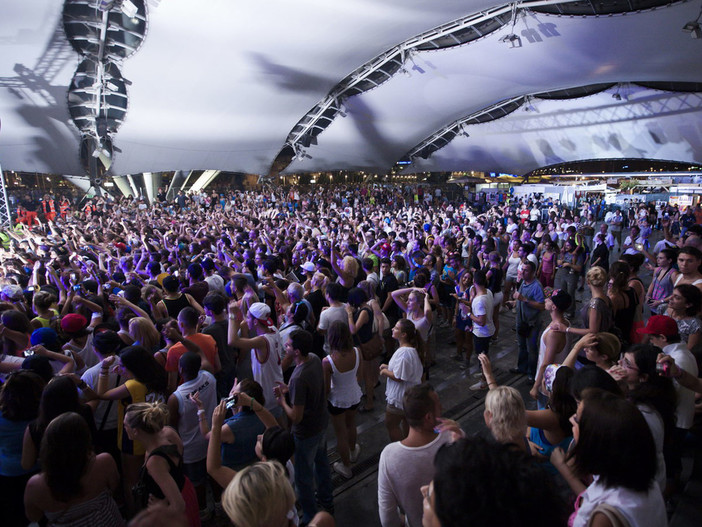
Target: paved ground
356,499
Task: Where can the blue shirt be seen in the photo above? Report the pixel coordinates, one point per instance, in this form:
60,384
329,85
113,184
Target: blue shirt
11,436
534,292
246,427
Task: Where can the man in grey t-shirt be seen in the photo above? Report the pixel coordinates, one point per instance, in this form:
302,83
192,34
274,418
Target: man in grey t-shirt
307,412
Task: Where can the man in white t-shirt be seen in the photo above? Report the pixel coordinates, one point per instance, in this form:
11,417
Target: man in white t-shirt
405,466
481,310
663,332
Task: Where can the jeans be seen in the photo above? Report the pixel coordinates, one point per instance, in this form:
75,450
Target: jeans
312,466
529,351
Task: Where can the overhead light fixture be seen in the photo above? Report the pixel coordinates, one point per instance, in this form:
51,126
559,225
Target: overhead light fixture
693,27
105,5
529,106
616,96
514,40
129,8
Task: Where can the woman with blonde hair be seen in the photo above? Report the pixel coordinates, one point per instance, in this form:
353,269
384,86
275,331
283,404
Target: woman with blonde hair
162,475
505,416
145,334
315,296
597,315
261,496
347,270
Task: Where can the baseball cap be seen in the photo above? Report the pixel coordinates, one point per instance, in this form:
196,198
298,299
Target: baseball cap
195,270
45,336
550,376
12,291
308,266
171,283
73,323
261,311
660,325
561,299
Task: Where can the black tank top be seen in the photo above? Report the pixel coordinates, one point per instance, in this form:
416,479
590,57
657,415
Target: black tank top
174,306
176,471
624,318
495,280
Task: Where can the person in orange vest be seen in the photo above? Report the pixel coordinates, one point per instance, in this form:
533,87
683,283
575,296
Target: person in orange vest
90,208
27,211
21,211
64,207
49,206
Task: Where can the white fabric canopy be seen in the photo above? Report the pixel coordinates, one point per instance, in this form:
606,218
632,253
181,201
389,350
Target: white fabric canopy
219,85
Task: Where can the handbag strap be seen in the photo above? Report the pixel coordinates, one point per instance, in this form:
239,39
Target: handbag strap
109,407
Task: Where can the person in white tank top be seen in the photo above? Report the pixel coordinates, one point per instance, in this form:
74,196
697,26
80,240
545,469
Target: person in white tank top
343,393
266,347
554,345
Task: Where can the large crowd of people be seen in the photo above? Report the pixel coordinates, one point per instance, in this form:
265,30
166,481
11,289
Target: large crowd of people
175,361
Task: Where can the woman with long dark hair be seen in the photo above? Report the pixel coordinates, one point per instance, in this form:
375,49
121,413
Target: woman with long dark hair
624,299
59,396
683,306
662,284
653,395
145,380
75,486
19,405
615,445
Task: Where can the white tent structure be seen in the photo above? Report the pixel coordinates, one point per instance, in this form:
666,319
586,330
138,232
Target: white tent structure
149,86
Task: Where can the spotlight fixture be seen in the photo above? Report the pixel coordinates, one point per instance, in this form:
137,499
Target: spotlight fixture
616,96
514,40
129,8
529,106
693,27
